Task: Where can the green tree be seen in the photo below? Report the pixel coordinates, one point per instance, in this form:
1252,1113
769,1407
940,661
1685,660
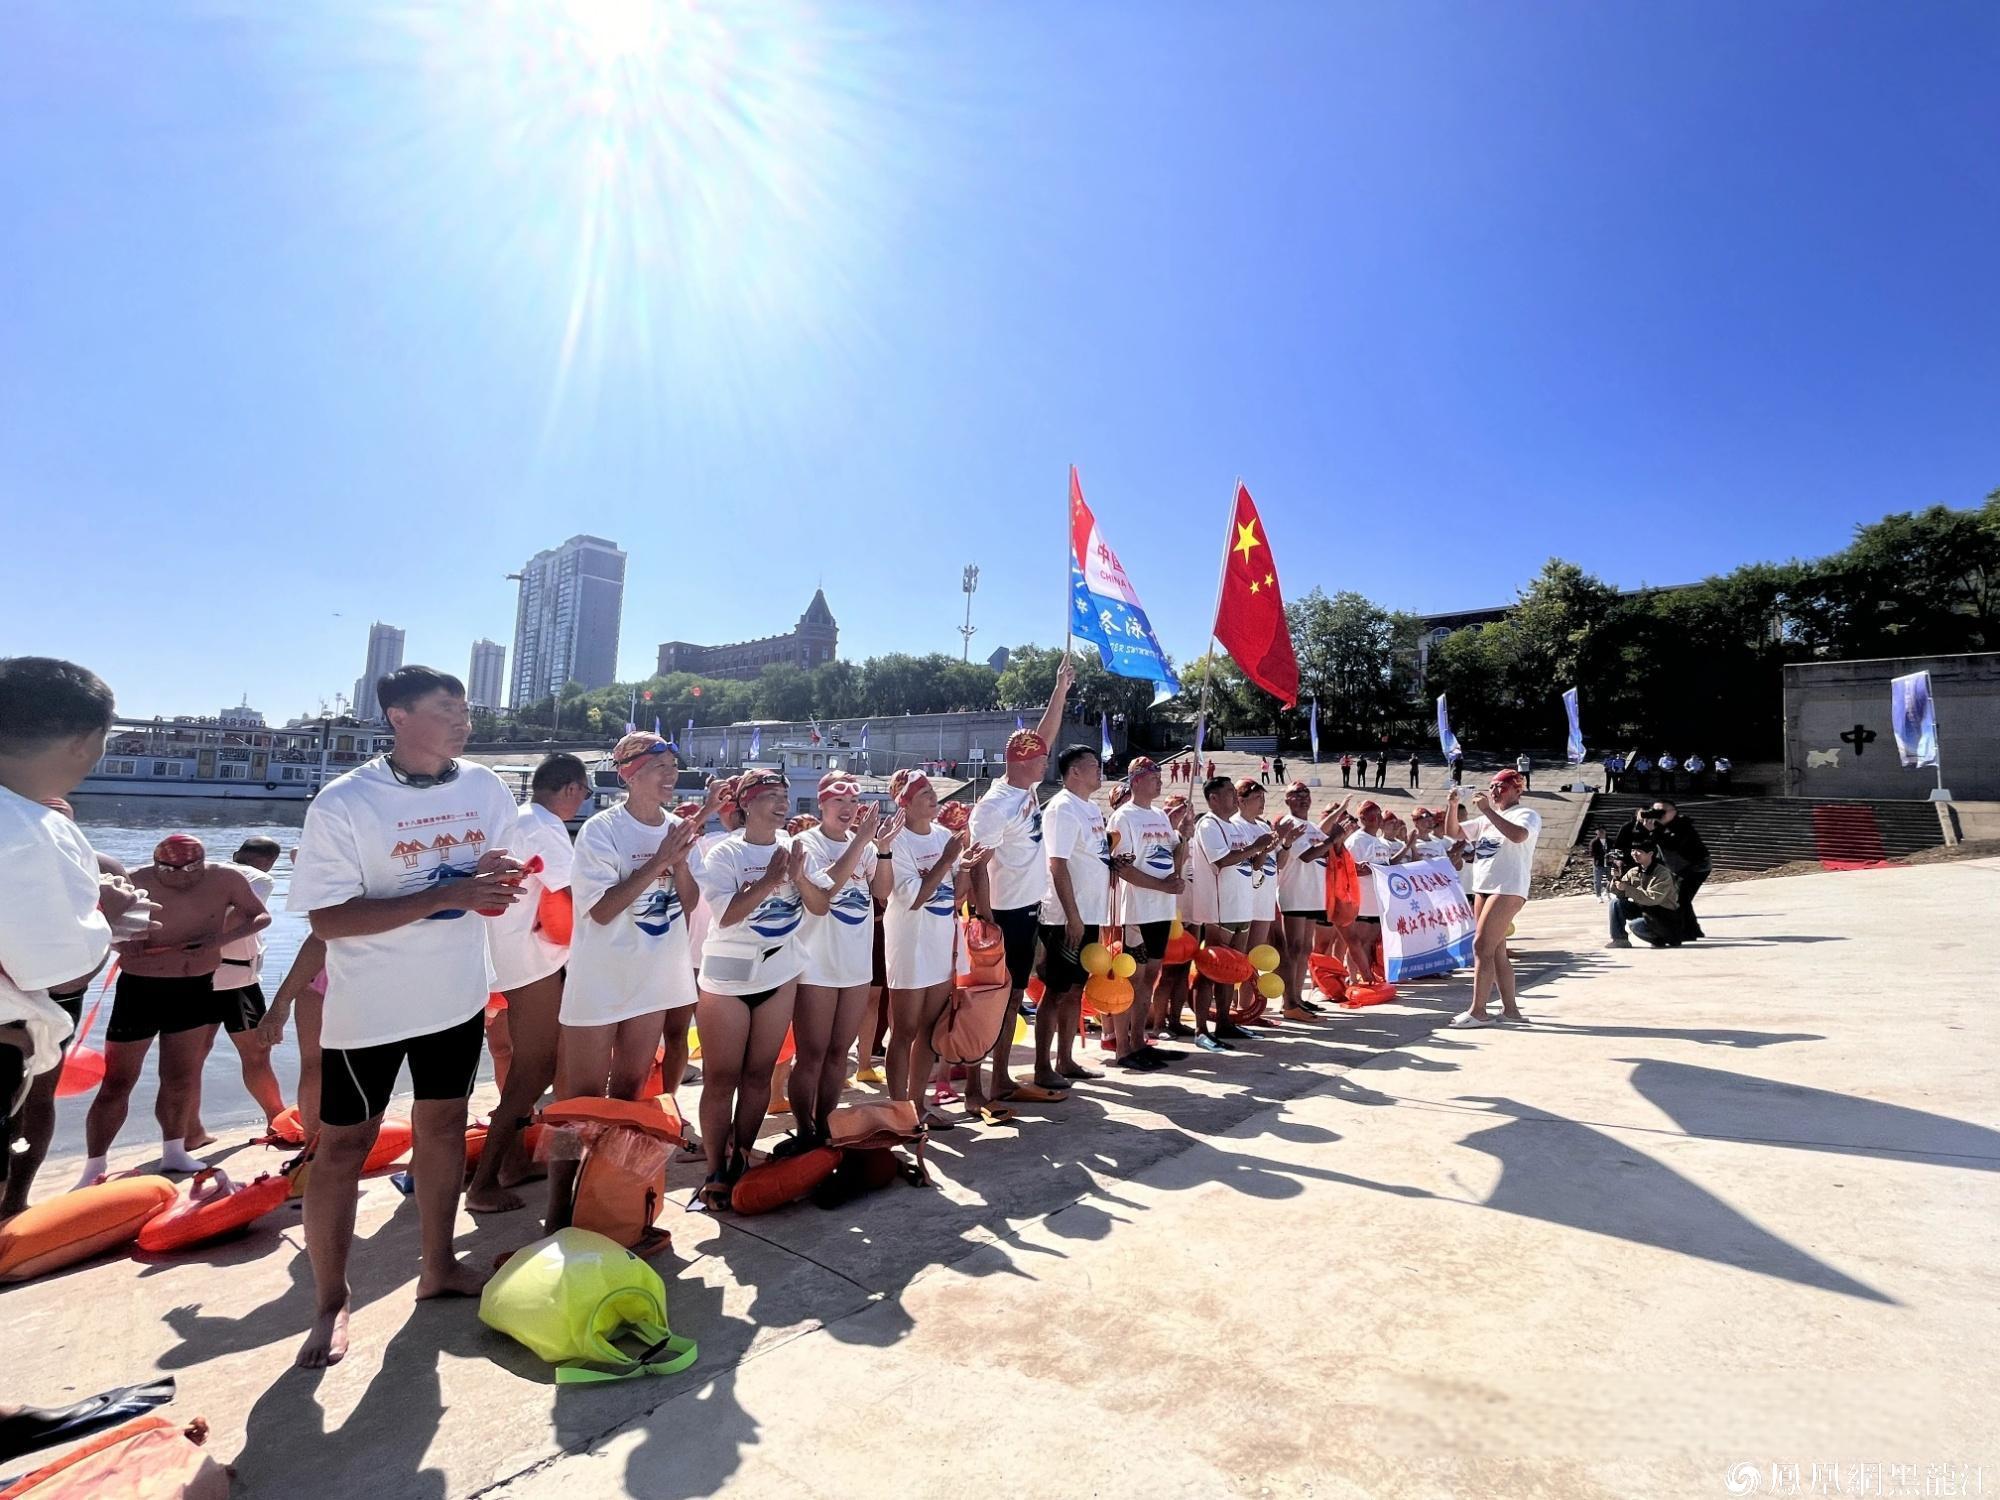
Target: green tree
837,690
1346,646
784,692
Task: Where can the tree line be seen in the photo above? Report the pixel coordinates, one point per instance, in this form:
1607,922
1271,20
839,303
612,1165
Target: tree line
1688,667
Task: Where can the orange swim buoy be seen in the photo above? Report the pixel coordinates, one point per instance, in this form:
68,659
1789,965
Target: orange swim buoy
773,1184
392,1144
475,1141
76,1225
198,1216
1180,949
1329,974
1359,995
1343,888
288,1129
1224,965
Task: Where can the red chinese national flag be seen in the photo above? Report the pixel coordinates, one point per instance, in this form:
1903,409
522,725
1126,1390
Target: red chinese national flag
1251,619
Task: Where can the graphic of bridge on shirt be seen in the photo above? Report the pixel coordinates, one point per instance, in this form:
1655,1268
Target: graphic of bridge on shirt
444,856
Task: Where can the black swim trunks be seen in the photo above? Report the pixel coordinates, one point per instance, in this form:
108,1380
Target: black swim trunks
355,1082
1062,969
242,1009
1018,928
148,1005
1152,945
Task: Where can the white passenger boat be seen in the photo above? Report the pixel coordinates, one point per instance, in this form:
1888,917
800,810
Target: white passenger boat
235,755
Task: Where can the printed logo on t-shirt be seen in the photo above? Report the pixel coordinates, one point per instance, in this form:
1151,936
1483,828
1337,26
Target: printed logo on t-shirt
943,900
777,917
1487,847
1159,860
656,912
852,905
444,856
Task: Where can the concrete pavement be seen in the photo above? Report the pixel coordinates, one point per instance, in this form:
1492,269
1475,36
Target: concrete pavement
1729,1205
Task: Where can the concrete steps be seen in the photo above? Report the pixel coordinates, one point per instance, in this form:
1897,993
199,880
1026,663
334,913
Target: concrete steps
1760,833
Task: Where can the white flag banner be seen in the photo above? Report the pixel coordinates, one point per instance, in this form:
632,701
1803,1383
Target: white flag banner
1426,919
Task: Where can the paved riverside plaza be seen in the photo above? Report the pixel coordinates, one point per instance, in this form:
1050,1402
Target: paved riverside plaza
1725,1206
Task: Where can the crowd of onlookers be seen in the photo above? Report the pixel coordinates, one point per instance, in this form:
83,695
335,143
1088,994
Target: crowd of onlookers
1650,870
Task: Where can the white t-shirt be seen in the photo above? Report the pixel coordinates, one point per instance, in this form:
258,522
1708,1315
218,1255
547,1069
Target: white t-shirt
636,963
1302,883
917,944
1008,820
760,952
840,946
370,836
522,952
1263,871
51,931
1219,893
1501,868
243,960
699,918
1371,849
1146,835
1073,831
1435,847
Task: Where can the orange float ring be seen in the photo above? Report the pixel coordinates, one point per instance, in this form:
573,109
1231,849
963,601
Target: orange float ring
392,1144
1329,974
1106,995
1359,995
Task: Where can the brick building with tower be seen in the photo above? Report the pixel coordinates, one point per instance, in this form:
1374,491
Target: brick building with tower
813,642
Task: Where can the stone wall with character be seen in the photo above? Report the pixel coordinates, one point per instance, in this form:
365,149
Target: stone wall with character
1838,739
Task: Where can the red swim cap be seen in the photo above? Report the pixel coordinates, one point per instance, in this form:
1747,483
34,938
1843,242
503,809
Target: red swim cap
1025,744
179,849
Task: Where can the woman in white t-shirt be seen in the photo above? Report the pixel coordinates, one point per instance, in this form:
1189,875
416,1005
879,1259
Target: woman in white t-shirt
1301,894
918,930
750,966
632,887
1265,869
1501,864
847,869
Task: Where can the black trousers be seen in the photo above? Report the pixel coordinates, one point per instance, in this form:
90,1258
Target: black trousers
1689,884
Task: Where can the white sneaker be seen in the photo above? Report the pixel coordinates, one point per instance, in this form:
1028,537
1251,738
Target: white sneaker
1467,1018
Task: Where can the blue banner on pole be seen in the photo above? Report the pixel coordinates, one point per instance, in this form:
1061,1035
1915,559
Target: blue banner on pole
1105,608
1447,741
1315,730
756,741
1914,716
1575,728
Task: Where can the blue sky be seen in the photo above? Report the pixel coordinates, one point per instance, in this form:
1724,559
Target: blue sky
326,313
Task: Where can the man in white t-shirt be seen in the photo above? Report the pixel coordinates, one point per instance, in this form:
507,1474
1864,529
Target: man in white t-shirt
239,985
1221,898
1302,895
529,944
400,862
1146,858
1372,844
58,914
1008,821
1501,865
1076,906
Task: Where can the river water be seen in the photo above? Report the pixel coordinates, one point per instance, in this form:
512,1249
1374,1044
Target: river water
127,828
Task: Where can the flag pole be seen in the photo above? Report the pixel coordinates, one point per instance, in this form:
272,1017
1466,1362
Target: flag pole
1221,577
1069,562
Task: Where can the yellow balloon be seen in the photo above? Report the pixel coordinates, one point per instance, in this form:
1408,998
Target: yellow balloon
1510,929
1174,929
694,1040
1095,958
1264,958
1270,986
1124,966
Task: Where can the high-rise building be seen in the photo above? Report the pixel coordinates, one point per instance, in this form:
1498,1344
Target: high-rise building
488,676
566,624
385,654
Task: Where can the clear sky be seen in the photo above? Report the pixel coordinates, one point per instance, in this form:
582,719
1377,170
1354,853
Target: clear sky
330,311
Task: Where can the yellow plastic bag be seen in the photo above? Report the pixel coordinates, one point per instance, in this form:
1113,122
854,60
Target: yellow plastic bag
570,1296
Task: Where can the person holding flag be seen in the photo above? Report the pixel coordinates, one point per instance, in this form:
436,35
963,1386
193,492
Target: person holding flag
1008,821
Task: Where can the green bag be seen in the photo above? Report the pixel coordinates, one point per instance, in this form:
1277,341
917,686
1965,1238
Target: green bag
569,1296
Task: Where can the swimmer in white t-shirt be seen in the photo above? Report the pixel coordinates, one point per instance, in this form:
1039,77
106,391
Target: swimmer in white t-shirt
1501,841
528,946
750,966
847,870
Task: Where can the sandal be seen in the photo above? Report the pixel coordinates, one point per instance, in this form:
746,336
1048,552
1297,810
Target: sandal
712,1196
994,1114
944,1093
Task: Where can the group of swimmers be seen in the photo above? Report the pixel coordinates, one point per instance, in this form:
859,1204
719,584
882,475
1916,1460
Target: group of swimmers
445,919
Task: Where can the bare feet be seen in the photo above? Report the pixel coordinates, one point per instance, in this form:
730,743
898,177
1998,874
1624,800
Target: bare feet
493,1200
456,1279
326,1343
199,1139
1050,1080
